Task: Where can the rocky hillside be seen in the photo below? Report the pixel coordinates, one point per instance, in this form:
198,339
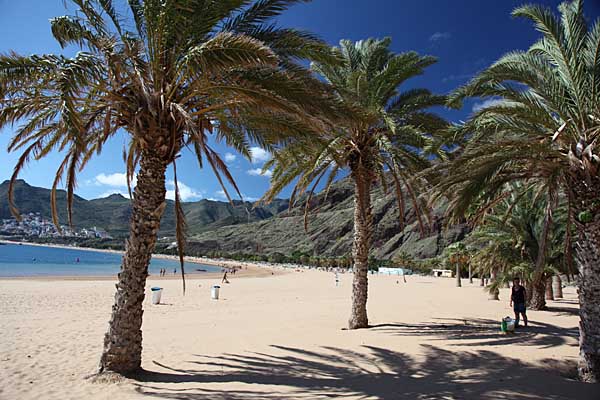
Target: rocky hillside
219,226
330,230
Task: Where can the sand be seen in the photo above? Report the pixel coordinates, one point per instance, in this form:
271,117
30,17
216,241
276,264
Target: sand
281,337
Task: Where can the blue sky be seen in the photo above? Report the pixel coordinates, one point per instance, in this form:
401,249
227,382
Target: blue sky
466,36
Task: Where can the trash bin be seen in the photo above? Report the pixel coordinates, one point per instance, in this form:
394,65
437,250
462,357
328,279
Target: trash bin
156,293
214,292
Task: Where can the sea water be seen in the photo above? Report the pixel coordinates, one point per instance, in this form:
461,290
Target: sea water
27,260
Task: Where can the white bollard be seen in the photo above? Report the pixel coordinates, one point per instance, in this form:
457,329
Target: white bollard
214,292
156,293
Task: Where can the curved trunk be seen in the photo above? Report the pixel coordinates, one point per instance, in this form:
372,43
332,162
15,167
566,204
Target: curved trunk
123,341
557,287
586,205
363,224
458,281
549,291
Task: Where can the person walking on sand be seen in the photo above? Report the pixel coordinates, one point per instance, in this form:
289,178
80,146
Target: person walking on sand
224,280
517,301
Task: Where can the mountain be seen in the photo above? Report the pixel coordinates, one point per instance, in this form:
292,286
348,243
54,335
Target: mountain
330,230
215,226
112,213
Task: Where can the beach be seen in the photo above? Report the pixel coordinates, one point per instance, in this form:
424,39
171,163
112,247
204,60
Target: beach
281,336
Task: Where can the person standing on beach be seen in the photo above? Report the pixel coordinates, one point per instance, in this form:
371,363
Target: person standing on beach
517,301
224,280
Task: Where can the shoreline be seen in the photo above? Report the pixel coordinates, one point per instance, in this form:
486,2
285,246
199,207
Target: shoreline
244,269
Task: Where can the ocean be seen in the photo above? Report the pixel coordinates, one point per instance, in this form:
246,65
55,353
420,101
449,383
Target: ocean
25,260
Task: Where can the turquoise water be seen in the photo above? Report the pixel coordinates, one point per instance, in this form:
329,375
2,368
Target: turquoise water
24,260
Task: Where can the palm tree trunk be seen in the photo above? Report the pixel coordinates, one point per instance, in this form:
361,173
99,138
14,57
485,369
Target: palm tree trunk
470,274
495,293
363,225
482,281
557,282
458,281
123,341
538,299
549,291
587,255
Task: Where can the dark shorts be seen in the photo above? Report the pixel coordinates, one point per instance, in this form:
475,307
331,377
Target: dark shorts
519,307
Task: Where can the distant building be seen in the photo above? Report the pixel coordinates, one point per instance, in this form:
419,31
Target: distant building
444,273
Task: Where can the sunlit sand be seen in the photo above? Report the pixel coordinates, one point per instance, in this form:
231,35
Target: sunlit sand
281,336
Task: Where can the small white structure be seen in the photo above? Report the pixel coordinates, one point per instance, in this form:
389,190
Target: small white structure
394,271
156,294
444,273
214,292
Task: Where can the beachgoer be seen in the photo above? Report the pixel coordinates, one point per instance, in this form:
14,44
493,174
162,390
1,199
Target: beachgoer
175,271
517,301
224,280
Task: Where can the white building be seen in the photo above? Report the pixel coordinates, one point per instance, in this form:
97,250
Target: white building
444,273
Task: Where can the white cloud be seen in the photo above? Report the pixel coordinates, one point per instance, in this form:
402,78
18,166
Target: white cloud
221,196
114,180
186,193
440,36
259,172
229,157
486,104
259,155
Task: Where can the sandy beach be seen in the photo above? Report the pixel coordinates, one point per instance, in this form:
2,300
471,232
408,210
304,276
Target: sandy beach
281,337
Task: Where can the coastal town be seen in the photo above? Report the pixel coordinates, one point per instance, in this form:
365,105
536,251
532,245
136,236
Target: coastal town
35,225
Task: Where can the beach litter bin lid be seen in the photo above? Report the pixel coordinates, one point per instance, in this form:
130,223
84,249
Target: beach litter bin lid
155,289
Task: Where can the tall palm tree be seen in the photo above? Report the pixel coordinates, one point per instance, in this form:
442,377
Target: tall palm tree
544,125
389,136
169,73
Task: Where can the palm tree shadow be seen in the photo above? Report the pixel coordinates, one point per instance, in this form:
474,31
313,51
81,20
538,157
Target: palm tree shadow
374,372
484,332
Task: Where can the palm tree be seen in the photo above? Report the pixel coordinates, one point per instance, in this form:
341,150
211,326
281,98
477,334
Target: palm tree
456,255
168,74
507,241
544,125
388,137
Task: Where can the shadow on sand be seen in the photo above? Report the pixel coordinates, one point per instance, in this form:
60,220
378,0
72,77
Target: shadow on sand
484,332
372,373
